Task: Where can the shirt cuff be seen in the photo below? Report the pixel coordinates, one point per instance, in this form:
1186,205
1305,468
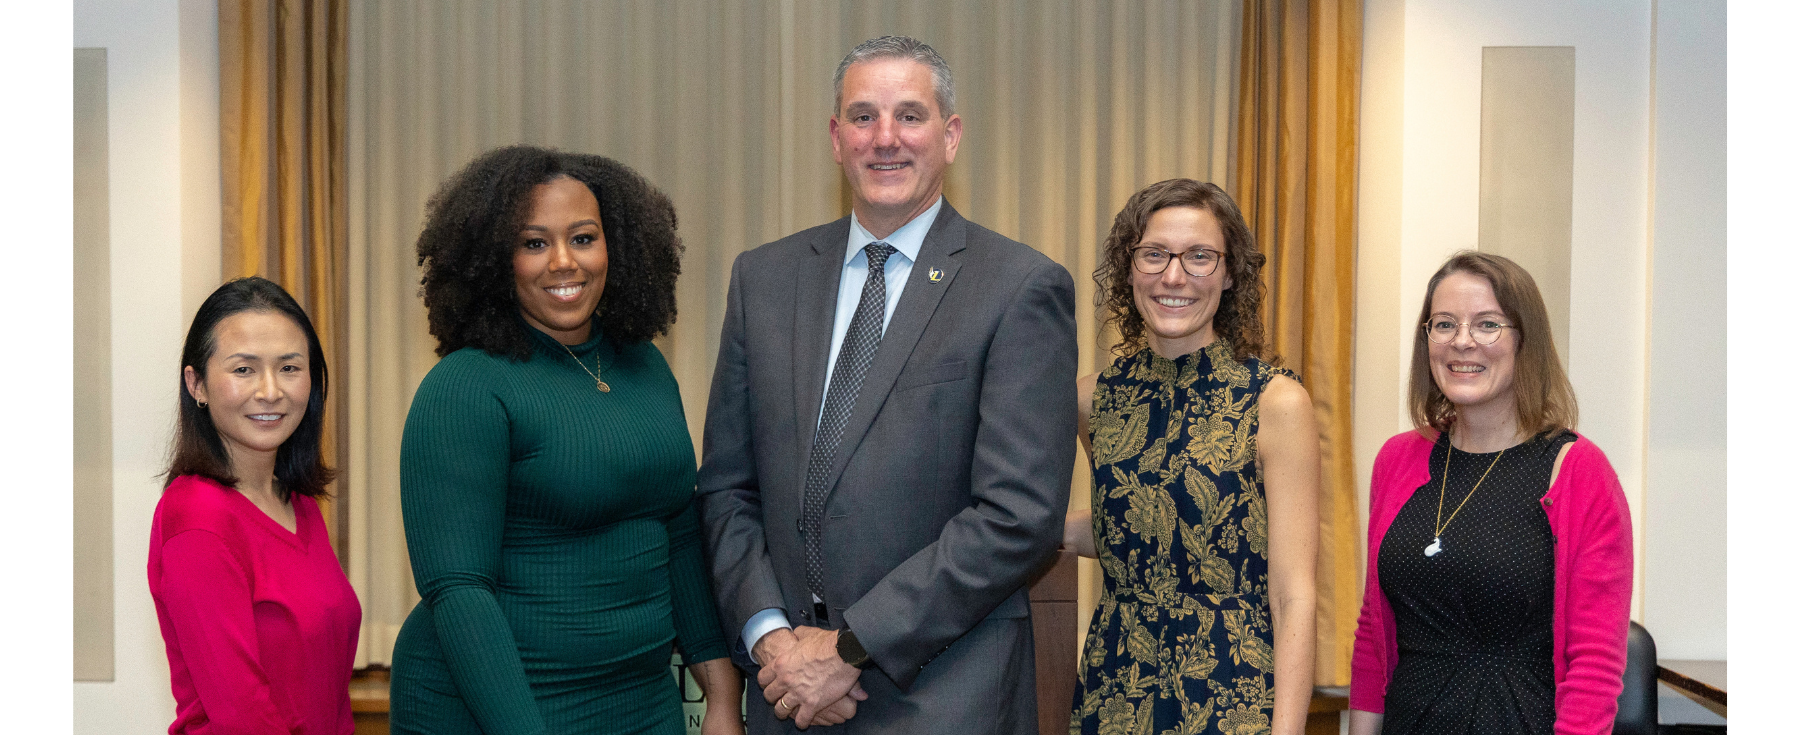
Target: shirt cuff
761,624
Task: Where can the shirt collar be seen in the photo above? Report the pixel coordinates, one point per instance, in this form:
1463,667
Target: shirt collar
907,240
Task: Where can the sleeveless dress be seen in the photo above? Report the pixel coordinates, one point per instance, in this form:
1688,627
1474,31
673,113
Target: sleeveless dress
1182,641
1473,621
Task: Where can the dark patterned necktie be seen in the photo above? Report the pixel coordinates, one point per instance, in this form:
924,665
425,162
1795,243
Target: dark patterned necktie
854,356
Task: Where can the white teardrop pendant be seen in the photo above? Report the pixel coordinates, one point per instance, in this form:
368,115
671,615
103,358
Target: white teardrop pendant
1436,546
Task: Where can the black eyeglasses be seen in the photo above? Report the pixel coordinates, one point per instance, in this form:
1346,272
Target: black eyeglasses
1152,261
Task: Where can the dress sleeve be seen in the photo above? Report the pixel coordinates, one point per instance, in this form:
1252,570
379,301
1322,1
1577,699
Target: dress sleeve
453,483
697,628
206,592
1598,602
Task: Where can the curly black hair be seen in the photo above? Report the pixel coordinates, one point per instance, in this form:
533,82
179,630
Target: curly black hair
473,220
1239,318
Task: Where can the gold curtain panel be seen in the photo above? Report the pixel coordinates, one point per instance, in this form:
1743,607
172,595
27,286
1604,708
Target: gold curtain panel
1299,77
282,119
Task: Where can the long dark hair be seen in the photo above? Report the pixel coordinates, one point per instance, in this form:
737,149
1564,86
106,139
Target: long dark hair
466,249
199,450
1239,318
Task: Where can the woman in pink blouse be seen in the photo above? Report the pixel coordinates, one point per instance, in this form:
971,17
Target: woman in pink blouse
258,618
1499,569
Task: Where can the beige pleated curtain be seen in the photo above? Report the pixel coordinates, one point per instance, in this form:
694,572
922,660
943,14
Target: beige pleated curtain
1069,106
1296,184
339,117
282,70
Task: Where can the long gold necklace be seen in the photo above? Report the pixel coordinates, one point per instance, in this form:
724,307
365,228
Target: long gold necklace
1437,540
598,383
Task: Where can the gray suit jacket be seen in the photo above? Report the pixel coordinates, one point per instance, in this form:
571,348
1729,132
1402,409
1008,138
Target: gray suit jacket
950,484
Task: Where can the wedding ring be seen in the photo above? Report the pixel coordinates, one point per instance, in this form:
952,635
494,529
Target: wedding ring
785,704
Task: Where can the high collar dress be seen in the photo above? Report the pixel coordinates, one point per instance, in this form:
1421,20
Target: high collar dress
1183,640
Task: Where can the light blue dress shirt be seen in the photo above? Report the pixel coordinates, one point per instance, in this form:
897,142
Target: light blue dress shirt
906,242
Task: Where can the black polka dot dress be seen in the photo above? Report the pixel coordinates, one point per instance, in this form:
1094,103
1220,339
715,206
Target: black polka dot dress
1473,621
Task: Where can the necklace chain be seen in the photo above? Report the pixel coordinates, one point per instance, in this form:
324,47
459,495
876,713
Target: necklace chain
599,384
1442,523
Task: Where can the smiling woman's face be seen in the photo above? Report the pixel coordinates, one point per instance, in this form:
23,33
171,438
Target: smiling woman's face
1177,307
1472,375
257,382
559,260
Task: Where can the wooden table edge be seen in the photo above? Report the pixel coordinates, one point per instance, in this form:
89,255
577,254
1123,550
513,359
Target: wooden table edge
1690,684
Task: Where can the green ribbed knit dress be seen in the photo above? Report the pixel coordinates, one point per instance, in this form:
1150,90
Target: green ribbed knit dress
555,544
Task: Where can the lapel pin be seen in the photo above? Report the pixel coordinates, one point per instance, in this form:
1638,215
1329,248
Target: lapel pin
935,275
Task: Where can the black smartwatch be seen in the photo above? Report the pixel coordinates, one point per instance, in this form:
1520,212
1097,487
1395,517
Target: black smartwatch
851,650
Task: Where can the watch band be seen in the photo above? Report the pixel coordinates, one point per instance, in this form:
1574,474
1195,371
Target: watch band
851,651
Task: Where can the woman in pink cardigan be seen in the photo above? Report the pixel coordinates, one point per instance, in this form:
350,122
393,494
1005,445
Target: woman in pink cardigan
1499,569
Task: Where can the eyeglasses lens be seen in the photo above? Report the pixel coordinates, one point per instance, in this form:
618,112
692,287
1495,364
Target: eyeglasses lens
1153,261
1443,331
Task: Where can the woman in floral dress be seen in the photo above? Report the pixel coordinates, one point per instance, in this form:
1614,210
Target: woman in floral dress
1206,472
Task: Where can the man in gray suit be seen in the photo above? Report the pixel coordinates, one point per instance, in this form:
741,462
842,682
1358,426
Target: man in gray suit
890,436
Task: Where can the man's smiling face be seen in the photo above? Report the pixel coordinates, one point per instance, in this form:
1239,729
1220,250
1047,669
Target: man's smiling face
892,140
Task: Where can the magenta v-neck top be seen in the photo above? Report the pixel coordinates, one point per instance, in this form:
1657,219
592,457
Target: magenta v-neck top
260,622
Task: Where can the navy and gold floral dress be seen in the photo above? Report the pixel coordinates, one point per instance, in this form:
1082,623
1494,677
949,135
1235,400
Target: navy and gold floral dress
1182,641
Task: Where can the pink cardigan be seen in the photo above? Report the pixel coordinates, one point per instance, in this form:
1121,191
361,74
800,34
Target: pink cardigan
1591,528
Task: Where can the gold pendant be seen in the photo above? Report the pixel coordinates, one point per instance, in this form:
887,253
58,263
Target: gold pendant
601,384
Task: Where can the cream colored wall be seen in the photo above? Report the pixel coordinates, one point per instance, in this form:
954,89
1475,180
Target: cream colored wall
1684,498
162,81
1420,168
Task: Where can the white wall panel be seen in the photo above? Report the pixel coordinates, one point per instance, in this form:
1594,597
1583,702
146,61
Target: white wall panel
159,53
1435,168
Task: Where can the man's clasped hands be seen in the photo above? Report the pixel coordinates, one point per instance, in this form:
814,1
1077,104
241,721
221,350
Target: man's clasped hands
803,677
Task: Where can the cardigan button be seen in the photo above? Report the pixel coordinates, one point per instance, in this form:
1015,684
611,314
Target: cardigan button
1549,501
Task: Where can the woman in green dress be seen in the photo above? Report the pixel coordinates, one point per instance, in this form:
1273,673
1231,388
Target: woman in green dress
1205,463
547,473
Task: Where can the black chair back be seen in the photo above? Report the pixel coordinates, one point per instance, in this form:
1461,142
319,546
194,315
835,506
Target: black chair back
1637,703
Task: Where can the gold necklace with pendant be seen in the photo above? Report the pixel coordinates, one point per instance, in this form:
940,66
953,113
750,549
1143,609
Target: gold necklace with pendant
598,383
1437,542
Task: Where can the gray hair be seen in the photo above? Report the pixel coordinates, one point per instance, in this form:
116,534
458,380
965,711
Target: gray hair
901,47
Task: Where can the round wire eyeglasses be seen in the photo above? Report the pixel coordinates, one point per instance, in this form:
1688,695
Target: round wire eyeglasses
1485,331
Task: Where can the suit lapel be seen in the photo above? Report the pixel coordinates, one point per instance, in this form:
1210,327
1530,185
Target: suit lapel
815,306
918,302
